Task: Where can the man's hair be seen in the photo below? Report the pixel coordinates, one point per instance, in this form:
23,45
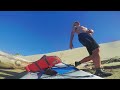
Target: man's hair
76,22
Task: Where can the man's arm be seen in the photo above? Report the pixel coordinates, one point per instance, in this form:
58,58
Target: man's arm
71,38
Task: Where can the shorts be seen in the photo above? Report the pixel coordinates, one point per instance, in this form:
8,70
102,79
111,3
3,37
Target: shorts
87,40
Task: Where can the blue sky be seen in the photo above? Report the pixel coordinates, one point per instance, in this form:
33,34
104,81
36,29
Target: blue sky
38,32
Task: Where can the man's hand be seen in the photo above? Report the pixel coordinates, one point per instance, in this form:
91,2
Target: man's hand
71,46
90,31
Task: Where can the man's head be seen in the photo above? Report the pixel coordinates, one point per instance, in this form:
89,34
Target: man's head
76,23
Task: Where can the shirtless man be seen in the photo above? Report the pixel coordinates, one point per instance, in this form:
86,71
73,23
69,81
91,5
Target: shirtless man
86,39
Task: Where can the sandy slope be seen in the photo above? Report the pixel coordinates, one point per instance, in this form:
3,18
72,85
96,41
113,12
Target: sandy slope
108,50
11,61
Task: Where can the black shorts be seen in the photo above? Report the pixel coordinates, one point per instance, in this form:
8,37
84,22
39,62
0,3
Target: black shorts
88,41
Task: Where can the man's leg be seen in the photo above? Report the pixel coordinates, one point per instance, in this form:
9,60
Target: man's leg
96,58
97,63
86,59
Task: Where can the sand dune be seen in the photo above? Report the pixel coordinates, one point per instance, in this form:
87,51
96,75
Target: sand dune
108,50
11,61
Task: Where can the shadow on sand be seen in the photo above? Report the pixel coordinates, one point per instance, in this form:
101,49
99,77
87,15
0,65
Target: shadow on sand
112,67
11,74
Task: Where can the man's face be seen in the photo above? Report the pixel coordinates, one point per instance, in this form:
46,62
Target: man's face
76,24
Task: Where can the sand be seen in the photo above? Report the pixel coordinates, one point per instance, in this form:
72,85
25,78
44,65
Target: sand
107,50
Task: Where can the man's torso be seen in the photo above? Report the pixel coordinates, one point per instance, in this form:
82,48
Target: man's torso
80,29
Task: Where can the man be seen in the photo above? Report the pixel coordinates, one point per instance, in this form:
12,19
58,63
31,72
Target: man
86,39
